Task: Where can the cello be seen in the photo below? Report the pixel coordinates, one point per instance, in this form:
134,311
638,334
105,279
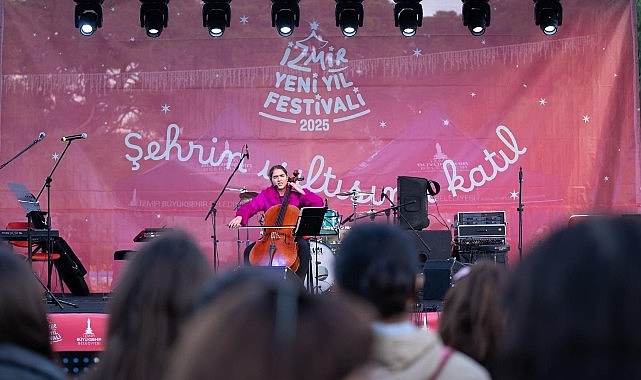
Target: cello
277,246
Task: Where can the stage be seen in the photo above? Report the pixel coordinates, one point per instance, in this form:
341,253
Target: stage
78,333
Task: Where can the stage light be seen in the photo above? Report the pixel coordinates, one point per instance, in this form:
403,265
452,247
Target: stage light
408,16
349,16
216,16
548,14
88,16
476,16
153,16
285,16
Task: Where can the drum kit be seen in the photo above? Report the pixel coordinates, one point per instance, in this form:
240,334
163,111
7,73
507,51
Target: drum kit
334,229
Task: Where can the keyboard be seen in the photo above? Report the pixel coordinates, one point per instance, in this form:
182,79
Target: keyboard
22,235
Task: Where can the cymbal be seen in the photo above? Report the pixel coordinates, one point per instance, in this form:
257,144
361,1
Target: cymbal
247,195
353,193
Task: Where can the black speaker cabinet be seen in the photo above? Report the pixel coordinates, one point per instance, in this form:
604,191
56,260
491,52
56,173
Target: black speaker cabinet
437,279
411,196
438,245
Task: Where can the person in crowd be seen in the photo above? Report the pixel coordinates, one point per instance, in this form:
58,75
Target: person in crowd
253,324
273,196
25,350
149,306
574,305
378,262
472,319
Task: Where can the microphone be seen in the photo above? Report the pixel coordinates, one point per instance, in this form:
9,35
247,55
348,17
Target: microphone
41,136
520,174
247,151
74,137
382,194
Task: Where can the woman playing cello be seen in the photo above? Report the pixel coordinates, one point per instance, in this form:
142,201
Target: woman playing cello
274,196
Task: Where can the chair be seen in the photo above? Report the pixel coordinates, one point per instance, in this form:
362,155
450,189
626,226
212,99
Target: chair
38,251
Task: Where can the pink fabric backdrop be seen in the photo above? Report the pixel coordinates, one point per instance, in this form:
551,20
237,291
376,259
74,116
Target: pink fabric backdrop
167,118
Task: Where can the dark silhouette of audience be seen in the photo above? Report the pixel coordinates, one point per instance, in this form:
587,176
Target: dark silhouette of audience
149,306
574,305
25,350
377,262
253,324
472,319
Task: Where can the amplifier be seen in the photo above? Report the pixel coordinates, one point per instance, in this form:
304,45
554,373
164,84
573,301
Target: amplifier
481,230
482,217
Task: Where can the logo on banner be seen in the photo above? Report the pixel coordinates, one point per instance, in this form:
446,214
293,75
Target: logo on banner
88,338
54,336
313,90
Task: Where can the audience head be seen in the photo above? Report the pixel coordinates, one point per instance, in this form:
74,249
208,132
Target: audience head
153,299
378,262
473,320
255,325
574,305
23,317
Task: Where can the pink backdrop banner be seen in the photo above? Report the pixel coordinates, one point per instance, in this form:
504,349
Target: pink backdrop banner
167,118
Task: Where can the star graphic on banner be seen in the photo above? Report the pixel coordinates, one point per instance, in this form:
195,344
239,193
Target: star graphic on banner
606,178
483,42
165,108
446,123
417,52
355,89
318,97
244,19
331,48
586,118
382,124
315,75
543,102
290,44
473,94
55,156
514,194
313,25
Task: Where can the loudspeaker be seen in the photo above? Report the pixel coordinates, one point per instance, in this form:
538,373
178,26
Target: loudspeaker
411,196
437,279
439,243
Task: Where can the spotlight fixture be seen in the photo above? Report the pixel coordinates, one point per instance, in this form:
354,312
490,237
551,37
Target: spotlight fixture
349,16
88,16
216,16
285,16
153,16
548,14
476,16
408,15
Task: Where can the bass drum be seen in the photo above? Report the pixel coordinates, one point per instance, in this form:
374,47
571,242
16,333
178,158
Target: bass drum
322,266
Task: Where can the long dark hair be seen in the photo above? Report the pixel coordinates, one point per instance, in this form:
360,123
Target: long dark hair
574,305
154,298
23,317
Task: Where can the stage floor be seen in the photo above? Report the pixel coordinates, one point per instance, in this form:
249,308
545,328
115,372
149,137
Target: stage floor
92,303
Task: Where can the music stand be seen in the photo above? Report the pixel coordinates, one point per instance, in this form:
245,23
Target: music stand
35,217
309,223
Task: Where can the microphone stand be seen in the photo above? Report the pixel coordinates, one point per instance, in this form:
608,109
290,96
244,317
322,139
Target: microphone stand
520,210
47,184
394,207
21,152
212,213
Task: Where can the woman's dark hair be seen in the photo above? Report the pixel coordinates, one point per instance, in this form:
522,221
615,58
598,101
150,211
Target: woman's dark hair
472,319
574,305
266,327
149,306
23,317
379,263
271,170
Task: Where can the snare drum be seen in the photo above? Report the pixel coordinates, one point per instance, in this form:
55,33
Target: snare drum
322,266
342,232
